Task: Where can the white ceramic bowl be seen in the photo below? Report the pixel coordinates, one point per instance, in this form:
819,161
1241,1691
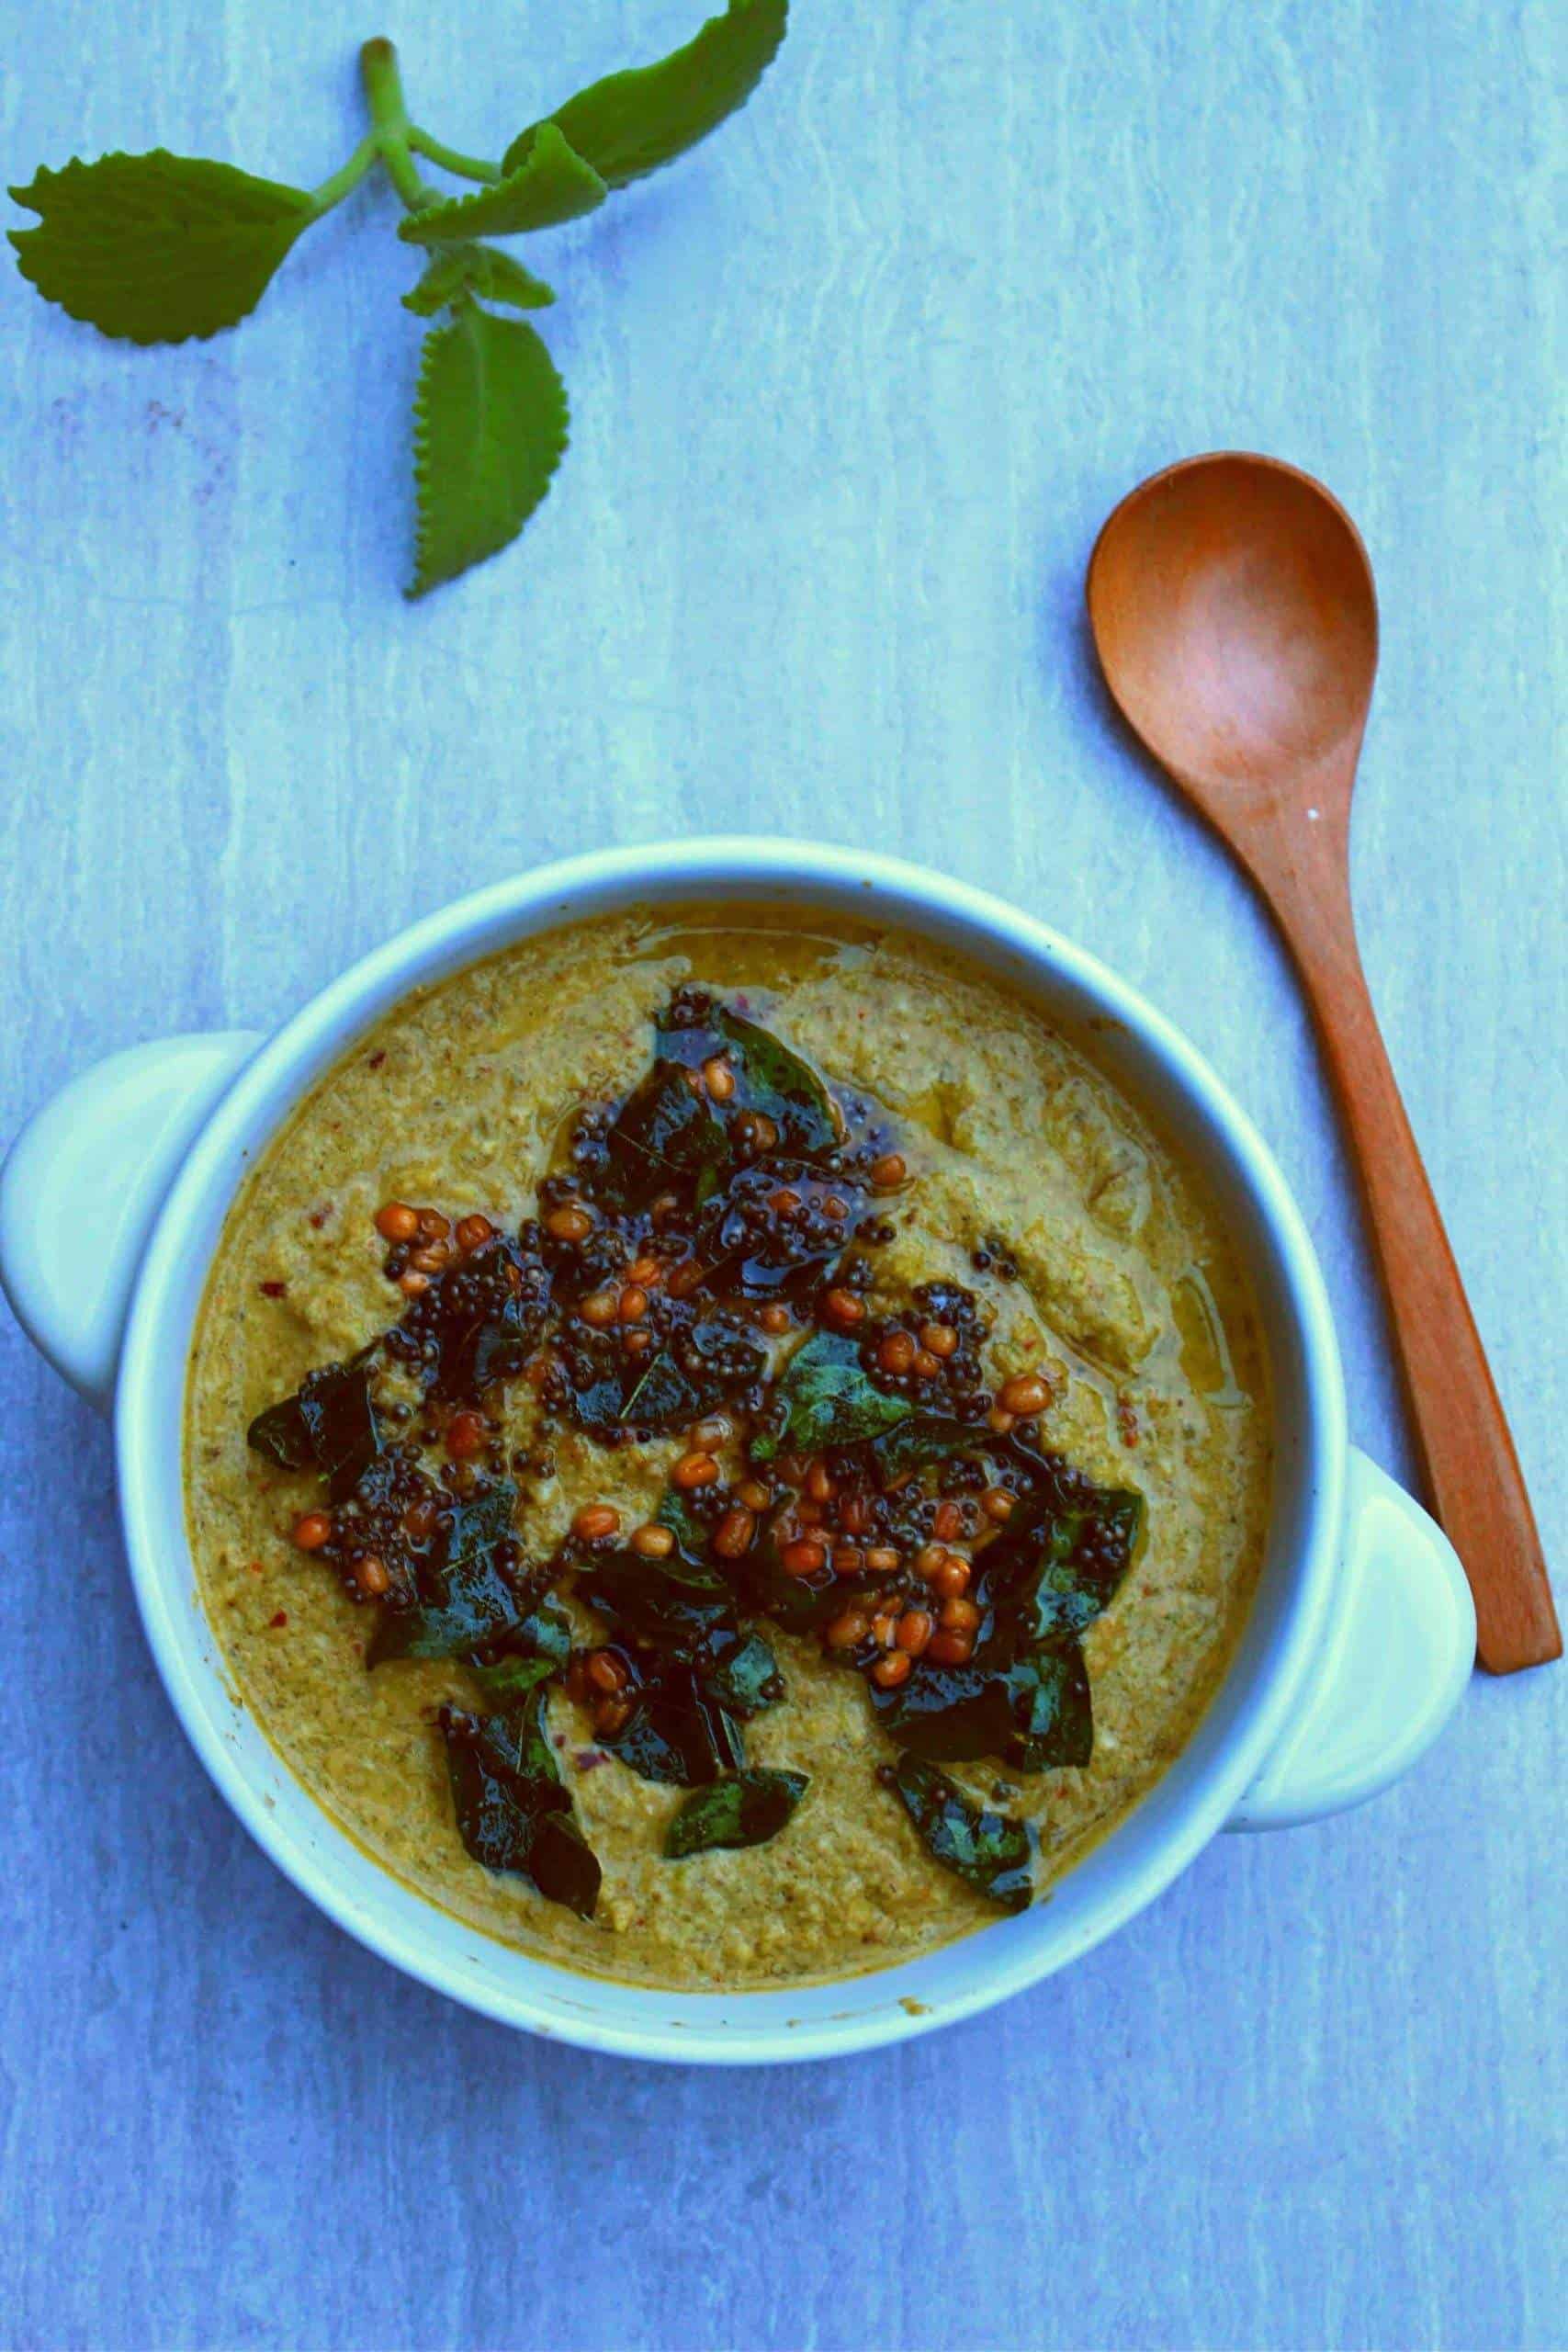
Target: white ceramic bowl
1360,1640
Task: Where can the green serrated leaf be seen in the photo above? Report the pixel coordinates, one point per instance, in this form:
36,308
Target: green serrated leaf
631,123
545,184
477,269
489,428
156,248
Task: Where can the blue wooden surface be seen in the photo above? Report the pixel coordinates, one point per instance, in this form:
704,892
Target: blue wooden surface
853,389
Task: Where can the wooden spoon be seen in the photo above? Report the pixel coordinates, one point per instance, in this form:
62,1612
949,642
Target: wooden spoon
1234,612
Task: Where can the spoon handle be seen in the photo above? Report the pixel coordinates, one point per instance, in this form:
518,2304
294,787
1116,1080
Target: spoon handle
1472,1471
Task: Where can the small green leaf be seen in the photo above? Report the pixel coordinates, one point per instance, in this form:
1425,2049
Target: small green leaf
477,269
156,248
632,122
543,184
828,1398
489,428
985,1849
742,1809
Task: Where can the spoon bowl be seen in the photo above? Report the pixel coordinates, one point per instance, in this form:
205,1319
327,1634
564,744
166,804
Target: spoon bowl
1232,604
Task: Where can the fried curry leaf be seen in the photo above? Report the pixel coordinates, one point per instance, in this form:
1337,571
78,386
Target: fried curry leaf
923,1438
693,1373
1087,1555
665,1137
698,1369
672,1603
741,1673
472,1600
561,1863
827,1397
533,1651
1025,1694
596,1381
337,1411
738,1669
742,1809
676,1513
768,1079
800,1604
663,1395
1052,1714
281,1434
516,1742
478,1322
677,1733
754,1254
513,1813
495,1348
985,1849
1029,1706
329,1422
951,1714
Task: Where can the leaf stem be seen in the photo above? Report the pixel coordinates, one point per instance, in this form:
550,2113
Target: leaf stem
332,191
390,122
383,85
466,167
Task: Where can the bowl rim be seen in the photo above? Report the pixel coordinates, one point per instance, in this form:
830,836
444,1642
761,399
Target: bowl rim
460,933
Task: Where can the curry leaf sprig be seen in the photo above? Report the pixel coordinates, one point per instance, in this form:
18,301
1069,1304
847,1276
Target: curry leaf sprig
159,248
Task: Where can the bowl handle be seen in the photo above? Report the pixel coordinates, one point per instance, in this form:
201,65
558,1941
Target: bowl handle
1400,1652
82,1183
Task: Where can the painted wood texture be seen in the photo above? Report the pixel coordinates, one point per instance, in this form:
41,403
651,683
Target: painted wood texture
853,391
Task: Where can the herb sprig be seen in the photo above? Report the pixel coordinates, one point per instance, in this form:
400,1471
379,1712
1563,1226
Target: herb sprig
160,248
